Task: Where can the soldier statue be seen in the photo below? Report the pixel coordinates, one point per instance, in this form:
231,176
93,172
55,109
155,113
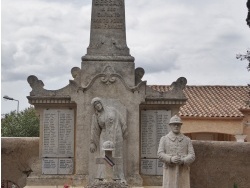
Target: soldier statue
177,153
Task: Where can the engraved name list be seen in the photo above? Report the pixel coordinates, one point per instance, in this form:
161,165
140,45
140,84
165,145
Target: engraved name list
108,14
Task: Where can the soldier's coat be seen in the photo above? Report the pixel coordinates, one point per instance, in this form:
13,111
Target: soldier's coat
175,175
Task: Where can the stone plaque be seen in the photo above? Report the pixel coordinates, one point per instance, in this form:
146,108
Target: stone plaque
149,166
66,134
108,14
154,125
57,166
50,133
58,133
49,166
65,166
58,141
148,134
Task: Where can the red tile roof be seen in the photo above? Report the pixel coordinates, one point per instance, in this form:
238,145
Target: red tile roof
212,101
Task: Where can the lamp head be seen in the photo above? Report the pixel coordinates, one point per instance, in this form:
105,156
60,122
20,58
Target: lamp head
7,97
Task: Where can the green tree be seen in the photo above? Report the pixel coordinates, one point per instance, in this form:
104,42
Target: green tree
22,124
243,57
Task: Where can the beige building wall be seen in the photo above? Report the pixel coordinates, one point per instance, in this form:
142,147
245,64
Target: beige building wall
247,132
230,160
246,124
215,128
18,156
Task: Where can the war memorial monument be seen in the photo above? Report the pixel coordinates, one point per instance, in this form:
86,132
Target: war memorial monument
108,128
90,129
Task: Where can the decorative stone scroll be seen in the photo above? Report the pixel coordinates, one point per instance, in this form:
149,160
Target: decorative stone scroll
58,141
154,125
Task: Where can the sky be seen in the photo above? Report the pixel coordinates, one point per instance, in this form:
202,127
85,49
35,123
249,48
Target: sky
197,39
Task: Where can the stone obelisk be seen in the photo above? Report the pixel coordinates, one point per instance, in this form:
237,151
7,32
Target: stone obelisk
108,72
108,46
108,30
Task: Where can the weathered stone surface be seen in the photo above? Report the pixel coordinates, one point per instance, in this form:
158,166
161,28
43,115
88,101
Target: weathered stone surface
107,185
39,91
153,127
58,133
108,131
177,153
108,32
139,73
131,101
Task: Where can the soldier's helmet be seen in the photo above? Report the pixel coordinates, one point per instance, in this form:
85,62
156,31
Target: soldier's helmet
175,120
108,146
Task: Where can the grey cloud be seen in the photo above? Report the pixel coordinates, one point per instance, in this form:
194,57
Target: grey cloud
196,39
8,49
37,48
157,60
14,76
74,2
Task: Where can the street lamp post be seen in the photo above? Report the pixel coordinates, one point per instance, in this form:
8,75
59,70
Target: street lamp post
12,99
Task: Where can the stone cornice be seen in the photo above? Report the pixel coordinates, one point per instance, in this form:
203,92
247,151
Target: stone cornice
108,58
49,100
160,101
